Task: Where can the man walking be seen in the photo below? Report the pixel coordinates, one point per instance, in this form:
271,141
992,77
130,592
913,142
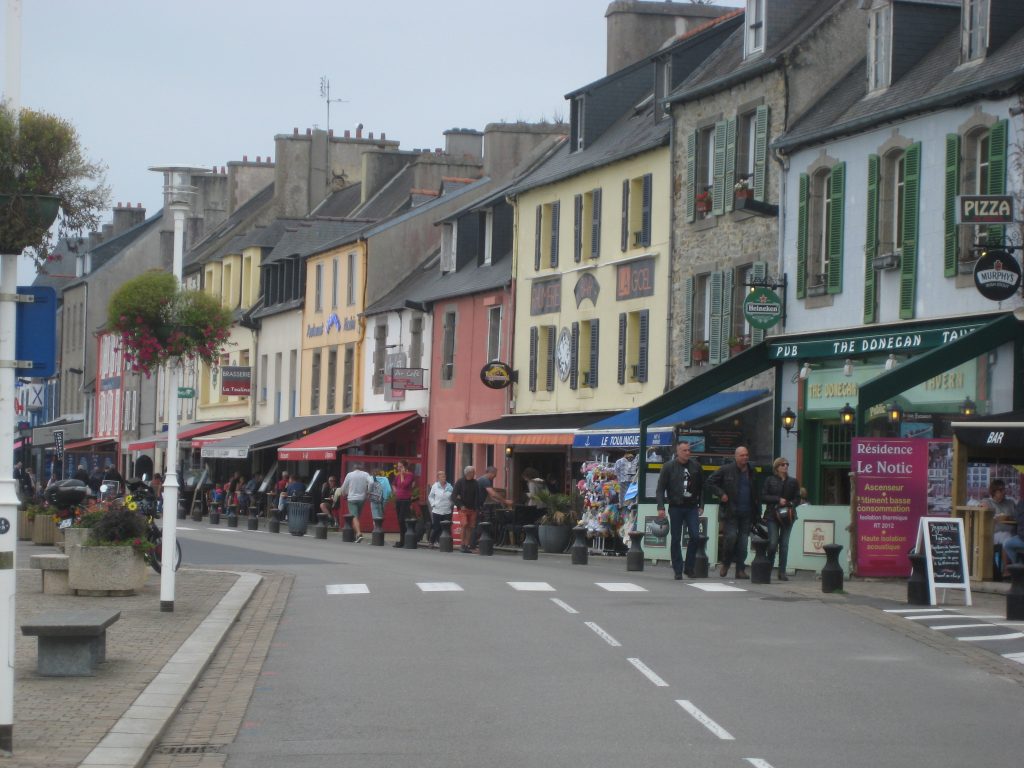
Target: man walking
355,488
468,496
739,503
681,482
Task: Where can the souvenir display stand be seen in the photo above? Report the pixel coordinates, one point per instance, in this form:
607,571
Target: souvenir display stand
609,509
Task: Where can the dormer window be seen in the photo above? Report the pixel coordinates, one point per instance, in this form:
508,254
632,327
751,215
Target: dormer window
753,41
974,32
879,47
662,85
576,120
449,235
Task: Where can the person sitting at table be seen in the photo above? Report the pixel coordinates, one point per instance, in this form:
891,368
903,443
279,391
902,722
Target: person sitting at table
1013,547
1003,513
328,500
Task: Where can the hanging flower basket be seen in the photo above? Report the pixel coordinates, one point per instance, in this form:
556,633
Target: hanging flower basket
160,323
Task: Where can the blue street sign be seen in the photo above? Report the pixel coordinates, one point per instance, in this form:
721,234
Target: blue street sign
35,336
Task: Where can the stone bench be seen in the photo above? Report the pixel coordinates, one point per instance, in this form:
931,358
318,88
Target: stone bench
55,573
71,642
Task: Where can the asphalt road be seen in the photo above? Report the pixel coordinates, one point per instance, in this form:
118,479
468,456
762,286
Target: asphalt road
387,657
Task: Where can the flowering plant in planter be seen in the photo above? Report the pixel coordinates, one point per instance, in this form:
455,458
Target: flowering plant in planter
159,322
742,187
703,201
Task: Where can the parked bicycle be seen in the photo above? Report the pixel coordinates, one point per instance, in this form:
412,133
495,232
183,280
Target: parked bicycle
142,499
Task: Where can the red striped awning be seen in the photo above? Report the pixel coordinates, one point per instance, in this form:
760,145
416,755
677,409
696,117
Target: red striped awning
325,444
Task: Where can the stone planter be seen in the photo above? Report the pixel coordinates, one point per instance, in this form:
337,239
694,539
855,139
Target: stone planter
553,538
44,530
105,570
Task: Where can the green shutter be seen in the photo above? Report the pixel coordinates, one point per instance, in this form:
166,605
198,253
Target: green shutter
997,142
688,288
871,241
911,220
801,236
761,153
758,273
730,162
835,228
716,337
718,172
691,177
950,229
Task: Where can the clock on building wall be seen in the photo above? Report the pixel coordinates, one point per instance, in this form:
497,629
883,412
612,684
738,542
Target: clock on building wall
563,354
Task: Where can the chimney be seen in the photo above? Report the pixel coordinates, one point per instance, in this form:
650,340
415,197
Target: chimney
464,143
126,217
638,28
95,238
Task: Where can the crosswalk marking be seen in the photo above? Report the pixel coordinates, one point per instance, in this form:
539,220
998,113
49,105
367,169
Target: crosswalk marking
714,586
530,586
348,589
563,605
438,586
1018,657
983,638
757,762
620,586
913,610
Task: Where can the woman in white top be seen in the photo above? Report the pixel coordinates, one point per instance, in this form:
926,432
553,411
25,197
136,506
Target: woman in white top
440,500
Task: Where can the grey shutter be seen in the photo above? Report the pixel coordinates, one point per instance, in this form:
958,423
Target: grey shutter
536,240
622,347
574,357
550,379
730,162
577,228
533,358
801,236
595,226
715,340
758,273
728,278
555,211
645,225
718,170
687,351
761,153
642,358
691,176
595,348
625,215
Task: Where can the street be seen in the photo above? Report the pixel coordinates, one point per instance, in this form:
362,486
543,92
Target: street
386,657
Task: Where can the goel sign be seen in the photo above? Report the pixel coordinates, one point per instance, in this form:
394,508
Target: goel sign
762,308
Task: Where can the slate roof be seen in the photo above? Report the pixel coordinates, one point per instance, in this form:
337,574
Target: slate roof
341,203
106,251
246,215
303,237
390,199
61,270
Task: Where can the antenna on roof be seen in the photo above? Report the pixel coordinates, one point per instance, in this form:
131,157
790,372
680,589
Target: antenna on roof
325,94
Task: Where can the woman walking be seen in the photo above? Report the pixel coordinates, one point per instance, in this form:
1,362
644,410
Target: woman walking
401,486
780,494
440,500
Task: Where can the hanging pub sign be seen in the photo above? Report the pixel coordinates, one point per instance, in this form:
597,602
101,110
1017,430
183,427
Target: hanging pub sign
236,380
763,308
984,209
407,378
496,375
997,275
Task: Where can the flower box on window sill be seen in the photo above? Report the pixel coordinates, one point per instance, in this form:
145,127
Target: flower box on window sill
966,266
818,287
884,261
699,355
756,207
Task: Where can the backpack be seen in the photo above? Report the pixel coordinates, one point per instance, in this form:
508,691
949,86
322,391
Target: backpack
376,492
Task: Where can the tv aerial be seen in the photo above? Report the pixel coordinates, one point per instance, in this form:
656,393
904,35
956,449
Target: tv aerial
325,94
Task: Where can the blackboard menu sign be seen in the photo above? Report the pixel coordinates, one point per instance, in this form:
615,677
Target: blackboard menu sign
946,554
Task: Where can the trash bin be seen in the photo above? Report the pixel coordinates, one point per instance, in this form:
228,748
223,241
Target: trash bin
298,517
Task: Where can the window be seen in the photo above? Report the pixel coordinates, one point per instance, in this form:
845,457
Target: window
879,47
332,379
350,286
974,32
314,390
662,85
546,236
448,347
588,347
742,278
891,202
753,40
488,236
293,378
278,386
416,342
705,170
448,237
318,289
820,213
264,362
587,225
696,323
334,283
494,333
636,212
576,115
634,333
893,196
542,357
349,374
380,340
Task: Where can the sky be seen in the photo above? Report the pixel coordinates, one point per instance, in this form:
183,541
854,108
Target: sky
195,82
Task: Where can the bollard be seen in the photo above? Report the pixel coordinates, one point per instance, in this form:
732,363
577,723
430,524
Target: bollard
273,525
410,533
832,572
530,542
579,546
917,584
377,537
182,512
444,541
197,515
348,533
214,517
700,562
319,531
760,566
254,523
485,544
635,556
1015,597
232,521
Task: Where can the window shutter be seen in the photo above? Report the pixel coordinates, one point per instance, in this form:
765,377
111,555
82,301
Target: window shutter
801,237
715,337
871,240
835,234
761,153
758,273
730,162
595,226
622,348
595,347
997,141
908,257
577,228
550,380
718,171
645,222
533,358
625,215
691,176
555,210
950,241
536,240
574,357
727,294
688,289
642,357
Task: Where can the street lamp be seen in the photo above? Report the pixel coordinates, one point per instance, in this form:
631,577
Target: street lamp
894,414
967,407
846,414
789,421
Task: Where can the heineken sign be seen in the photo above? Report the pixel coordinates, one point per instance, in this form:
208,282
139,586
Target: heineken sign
997,276
762,308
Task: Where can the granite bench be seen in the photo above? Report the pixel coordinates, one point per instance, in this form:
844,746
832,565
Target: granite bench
71,642
55,573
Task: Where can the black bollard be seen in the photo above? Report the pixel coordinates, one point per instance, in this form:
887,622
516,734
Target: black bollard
579,546
348,533
254,523
700,562
377,537
197,515
832,572
444,541
917,584
529,542
232,521
485,545
410,533
635,556
214,517
1015,597
319,531
760,566
182,511
273,525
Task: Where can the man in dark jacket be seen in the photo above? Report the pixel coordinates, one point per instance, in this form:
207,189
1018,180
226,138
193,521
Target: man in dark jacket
682,483
469,497
739,507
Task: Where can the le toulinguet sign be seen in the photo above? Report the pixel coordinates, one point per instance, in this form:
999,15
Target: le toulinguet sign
854,344
762,308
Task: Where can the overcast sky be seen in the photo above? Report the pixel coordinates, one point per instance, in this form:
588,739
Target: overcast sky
204,82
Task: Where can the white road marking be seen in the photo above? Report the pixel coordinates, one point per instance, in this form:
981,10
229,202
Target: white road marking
604,635
958,626
704,720
531,586
913,610
648,673
715,586
1018,657
439,586
622,586
983,638
563,605
757,762
184,528
979,616
224,530
930,616
348,589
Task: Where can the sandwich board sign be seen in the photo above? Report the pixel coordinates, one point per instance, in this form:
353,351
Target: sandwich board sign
945,551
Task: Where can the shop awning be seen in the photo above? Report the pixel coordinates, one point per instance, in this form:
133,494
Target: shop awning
1001,430
205,440
528,429
324,444
187,432
89,444
623,429
271,436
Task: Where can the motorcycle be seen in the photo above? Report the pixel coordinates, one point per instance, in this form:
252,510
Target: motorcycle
68,498
142,499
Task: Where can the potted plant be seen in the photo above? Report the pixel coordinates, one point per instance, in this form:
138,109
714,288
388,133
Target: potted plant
160,323
703,202
699,353
737,344
42,172
742,188
554,527
111,560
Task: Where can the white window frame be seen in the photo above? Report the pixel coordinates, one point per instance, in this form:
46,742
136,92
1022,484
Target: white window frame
494,333
488,236
754,26
880,48
974,30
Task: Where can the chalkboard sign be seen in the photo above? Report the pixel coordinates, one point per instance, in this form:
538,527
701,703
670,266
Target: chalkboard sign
945,553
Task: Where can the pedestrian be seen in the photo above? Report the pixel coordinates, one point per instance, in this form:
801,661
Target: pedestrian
681,482
468,497
440,500
355,488
28,483
158,492
82,474
329,496
402,486
1003,513
493,498
781,495
380,492
739,505
1013,547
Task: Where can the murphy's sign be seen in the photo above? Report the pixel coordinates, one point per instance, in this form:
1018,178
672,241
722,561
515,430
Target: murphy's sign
984,209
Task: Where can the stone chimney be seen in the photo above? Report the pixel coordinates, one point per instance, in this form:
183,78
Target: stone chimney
638,28
95,238
464,143
506,145
245,178
126,216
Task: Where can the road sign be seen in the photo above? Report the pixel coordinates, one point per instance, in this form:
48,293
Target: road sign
186,393
35,332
